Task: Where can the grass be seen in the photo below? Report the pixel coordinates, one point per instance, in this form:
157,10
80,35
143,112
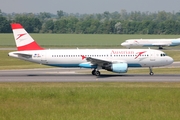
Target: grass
80,40
89,101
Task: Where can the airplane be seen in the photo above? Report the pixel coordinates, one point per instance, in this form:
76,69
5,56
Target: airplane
151,42
114,60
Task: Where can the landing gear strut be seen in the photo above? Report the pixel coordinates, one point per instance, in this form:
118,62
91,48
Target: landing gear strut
96,72
160,47
151,72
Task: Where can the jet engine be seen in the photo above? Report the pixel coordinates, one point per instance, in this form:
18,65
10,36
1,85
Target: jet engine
116,67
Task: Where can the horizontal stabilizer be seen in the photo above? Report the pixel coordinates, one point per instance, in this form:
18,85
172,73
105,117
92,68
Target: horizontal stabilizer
23,55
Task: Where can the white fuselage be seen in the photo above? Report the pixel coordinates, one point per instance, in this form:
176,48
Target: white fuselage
75,57
151,42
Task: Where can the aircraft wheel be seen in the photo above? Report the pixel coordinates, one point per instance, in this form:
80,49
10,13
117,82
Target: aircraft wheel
151,73
97,73
93,72
160,47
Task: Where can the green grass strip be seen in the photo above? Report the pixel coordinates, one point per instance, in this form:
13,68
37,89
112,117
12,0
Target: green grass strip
89,101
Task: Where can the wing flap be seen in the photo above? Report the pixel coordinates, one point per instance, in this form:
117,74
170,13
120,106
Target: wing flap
96,61
99,62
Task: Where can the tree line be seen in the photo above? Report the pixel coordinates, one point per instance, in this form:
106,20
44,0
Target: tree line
106,23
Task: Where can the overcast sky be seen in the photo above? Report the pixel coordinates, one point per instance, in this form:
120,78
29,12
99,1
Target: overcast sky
88,6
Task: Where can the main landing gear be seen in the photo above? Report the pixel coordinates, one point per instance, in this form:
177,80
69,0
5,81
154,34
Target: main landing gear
160,47
96,72
151,72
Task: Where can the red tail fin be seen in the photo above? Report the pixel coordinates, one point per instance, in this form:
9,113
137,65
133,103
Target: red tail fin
23,40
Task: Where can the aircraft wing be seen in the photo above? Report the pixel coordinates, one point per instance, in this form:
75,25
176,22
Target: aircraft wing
101,62
98,62
24,55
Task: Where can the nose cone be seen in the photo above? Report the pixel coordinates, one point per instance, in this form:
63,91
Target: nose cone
124,44
169,60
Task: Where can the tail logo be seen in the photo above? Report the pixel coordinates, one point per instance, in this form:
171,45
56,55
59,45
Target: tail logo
22,39
20,35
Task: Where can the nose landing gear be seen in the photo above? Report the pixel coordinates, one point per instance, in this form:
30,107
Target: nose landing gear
151,72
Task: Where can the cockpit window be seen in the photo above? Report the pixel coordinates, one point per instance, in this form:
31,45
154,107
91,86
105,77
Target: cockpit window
162,54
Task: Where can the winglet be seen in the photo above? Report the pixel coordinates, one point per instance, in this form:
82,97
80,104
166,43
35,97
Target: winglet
23,40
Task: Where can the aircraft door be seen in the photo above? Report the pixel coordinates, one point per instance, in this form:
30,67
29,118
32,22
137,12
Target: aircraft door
152,56
43,57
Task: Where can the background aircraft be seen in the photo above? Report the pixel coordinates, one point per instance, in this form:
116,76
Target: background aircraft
151,42
115,60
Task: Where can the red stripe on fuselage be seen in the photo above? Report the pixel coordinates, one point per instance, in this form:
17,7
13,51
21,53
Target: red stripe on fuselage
31,46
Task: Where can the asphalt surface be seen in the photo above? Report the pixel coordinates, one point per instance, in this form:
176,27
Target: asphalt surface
79,75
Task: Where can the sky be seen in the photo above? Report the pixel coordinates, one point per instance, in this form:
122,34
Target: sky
88,6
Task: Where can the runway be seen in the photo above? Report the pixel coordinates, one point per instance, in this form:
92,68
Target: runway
76,75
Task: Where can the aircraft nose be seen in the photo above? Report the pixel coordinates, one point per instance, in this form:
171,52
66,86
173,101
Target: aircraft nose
123,44
169,60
